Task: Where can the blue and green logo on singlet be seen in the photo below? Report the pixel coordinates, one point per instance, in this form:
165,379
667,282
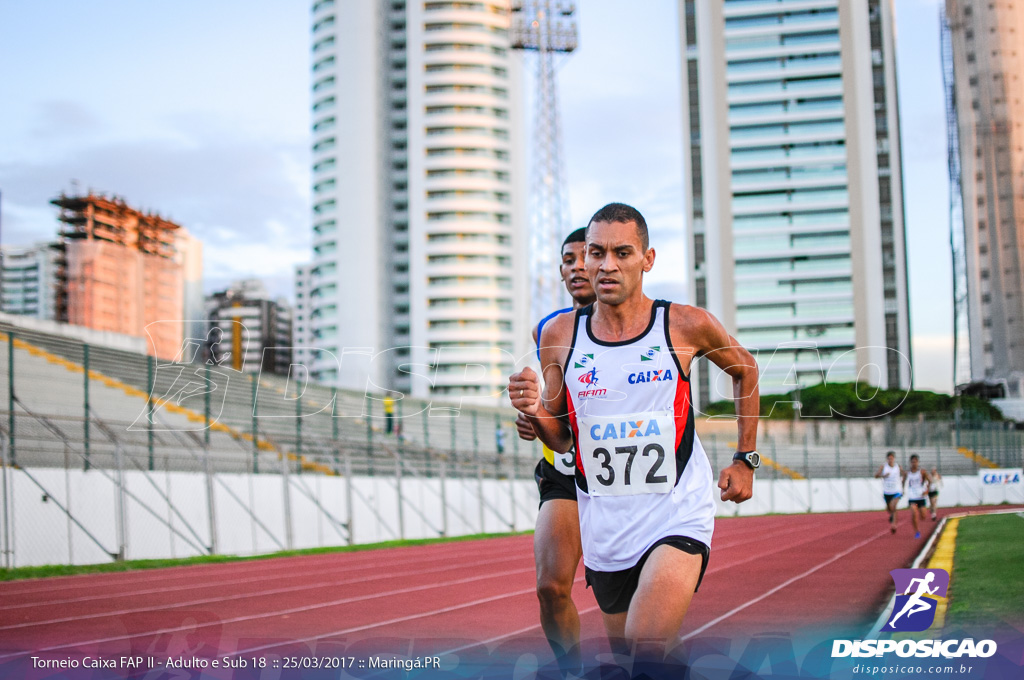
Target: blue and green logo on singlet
583,361
650,353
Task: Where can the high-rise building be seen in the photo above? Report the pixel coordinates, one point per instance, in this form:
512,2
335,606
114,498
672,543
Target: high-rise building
988,108
189,253
28,283
118,271
419,230
795,196
255,332
301,331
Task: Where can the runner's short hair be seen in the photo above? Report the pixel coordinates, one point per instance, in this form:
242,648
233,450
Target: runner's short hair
620,212
914,456
890,453
578,236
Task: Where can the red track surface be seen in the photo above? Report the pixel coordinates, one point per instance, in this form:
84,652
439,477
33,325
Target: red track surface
777,573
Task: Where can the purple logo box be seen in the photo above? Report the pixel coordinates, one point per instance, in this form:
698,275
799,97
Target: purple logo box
940,579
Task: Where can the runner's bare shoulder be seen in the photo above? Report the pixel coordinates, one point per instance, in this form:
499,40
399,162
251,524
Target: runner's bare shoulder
557,337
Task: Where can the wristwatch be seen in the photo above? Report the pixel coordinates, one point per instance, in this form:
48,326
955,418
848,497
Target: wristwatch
751,458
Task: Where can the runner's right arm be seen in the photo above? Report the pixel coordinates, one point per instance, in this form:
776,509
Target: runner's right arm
545,408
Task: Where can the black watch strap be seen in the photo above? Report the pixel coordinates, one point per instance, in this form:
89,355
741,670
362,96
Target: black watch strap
751,458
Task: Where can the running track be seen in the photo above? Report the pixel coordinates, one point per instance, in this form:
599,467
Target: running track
776,573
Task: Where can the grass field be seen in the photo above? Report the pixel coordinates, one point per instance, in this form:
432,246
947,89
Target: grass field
134,565
987,585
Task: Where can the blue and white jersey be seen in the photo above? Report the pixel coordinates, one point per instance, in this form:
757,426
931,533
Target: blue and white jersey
641,472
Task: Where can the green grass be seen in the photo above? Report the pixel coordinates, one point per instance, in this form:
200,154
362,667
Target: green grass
136,565
987,587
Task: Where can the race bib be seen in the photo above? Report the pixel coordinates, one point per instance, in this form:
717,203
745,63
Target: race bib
564,462
629,454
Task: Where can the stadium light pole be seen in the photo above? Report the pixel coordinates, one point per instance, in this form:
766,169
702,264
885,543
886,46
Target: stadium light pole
547,27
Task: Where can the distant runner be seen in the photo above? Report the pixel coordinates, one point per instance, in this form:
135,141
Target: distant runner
892,486
917,484
934,482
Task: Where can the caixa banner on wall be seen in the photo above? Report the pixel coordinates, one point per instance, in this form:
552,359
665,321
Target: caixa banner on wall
1002,477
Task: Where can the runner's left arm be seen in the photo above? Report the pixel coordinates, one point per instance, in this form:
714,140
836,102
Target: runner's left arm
699,330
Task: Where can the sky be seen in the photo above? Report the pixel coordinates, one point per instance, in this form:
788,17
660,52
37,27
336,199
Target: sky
199,111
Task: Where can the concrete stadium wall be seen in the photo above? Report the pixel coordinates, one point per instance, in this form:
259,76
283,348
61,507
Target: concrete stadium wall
41,532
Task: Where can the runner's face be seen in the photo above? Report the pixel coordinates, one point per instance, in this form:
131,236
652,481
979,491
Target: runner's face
913,465
573,273
616,260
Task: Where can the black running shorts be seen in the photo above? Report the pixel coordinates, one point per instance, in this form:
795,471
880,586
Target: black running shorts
919,502
553,484
614,589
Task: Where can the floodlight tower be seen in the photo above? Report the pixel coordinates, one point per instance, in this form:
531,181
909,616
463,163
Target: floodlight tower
547,27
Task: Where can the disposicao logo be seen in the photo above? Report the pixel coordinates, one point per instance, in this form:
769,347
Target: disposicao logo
917,593
914,610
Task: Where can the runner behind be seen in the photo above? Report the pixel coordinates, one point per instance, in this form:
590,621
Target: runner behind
556,538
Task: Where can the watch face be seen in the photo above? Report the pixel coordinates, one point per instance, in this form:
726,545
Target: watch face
755,459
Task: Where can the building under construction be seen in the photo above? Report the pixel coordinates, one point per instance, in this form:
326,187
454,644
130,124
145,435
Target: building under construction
117,271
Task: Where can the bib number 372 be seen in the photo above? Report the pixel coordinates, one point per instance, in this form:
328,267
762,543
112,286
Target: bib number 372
629,455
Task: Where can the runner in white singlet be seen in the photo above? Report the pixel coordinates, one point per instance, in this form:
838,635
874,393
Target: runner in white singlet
616,378
934,483
892,476
917,488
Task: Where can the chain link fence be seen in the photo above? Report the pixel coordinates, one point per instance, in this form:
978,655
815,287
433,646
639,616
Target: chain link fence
124,457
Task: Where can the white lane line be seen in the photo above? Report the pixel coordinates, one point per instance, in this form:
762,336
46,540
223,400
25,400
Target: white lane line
288,569
257,579
512,634
241,596
400,619
302,609
784,584
269,566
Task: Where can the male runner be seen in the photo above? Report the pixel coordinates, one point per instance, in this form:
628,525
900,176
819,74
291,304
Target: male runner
934,482
556,538
616,384
892,476
917,484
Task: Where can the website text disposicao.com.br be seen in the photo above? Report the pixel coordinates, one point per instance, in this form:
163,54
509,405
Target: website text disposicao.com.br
943,651
902,670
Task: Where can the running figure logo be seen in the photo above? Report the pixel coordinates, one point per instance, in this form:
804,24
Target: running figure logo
590,377
914,610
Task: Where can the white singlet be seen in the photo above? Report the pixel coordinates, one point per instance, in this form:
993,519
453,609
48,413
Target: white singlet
915,486
891,482
641,472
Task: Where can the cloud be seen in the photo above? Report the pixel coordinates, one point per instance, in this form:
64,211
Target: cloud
933,362
60,118
244,199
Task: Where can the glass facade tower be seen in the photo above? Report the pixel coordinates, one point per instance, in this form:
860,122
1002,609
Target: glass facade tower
795,197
